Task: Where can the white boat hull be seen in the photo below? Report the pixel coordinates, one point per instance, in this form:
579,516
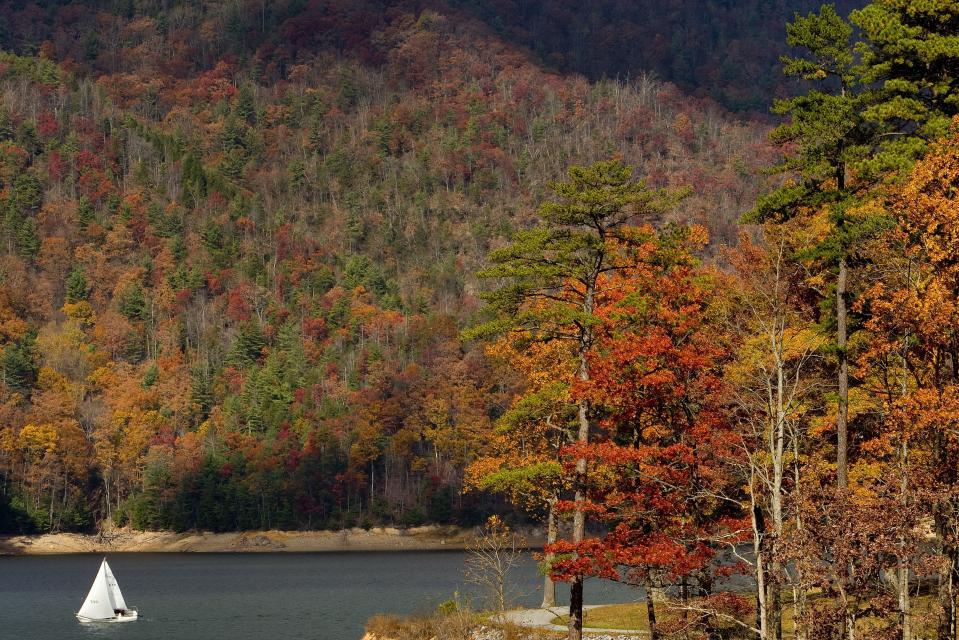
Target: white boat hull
124,616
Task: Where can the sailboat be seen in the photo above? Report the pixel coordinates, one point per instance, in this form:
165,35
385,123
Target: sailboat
105,603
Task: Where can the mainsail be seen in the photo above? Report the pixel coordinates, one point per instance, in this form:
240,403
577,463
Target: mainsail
99,602
115,596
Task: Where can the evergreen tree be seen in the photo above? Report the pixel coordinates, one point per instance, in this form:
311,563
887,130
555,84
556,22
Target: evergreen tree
18,363
28,241
552,276
244,107
829,141
6,127
910,50
201,392
85,212
27,194
193,176
77,288
248,346
133,303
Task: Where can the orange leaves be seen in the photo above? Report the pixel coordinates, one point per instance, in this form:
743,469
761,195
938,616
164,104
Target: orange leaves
927,203
664,446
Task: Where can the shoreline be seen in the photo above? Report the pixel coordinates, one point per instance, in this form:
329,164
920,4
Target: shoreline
426,538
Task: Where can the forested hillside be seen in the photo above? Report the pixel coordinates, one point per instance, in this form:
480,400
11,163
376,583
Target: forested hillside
239,243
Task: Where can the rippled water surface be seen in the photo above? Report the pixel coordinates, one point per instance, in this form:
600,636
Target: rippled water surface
281,596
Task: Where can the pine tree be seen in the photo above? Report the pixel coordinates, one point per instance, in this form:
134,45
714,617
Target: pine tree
27,194
28,241
244,105
18,363
85,212
6,127
77,288
829,139
193,177
911,51
133,303
201,392
248,345
552,276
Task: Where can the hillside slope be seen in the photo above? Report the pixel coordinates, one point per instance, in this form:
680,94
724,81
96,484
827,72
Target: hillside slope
233,267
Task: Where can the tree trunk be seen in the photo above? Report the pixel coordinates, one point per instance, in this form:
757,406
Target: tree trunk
843,382
902,570
579,518
576,609
549,587
579,522
762,605
774,602
579,484
905,613
947,596
799,587
651,611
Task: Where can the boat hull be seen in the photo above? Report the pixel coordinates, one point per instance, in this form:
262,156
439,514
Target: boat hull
127,616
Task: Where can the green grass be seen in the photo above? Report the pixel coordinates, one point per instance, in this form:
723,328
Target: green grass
633,617
614,616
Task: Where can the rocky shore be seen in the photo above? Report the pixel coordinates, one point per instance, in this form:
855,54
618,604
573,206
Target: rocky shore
427,538
489,633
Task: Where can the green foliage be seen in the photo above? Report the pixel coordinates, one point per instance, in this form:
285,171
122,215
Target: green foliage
569,245
77,287
6,126
910,51
248,345
18,363
15,518
151,376
193,176
243,106
132,303
85,212
27,238
27,193
825,127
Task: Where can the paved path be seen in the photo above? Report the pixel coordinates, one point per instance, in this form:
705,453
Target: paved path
543,619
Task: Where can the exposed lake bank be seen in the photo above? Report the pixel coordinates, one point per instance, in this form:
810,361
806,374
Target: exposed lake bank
426,538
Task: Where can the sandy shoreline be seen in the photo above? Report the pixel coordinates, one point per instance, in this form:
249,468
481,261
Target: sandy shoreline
427,538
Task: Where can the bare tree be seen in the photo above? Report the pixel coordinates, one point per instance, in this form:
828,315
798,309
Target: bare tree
491,558
773,379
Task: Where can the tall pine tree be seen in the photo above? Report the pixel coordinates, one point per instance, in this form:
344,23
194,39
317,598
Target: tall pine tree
551,277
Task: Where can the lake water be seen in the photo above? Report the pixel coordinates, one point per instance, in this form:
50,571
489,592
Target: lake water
273,596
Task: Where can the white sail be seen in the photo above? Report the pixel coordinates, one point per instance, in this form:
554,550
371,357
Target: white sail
115,596
99,604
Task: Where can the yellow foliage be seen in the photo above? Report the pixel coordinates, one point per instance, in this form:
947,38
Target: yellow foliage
80,311
50,380
40,438
102,378
8,442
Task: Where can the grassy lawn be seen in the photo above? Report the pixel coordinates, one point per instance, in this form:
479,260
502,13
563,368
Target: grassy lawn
633,616
614,616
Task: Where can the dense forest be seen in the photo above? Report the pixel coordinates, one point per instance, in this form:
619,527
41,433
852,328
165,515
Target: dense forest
234,274
725,49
